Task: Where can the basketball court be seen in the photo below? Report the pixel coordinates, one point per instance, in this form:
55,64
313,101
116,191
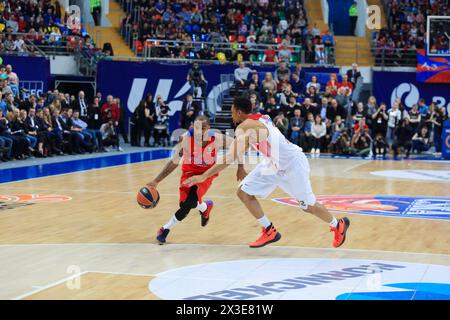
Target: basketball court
78,233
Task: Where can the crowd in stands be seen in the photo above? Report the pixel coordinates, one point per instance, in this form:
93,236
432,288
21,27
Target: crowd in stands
258,30
26,24
406,29
328,118
55,123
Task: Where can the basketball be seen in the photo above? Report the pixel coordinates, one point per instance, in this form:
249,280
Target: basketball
148,197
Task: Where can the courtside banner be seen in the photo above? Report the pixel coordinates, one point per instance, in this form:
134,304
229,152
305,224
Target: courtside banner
131,81
388,86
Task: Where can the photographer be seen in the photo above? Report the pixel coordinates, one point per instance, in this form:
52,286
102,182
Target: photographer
379,120
162,122
197,80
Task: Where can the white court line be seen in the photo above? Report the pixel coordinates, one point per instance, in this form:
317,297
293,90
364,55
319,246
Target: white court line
124,273
50,285
356,166
220,245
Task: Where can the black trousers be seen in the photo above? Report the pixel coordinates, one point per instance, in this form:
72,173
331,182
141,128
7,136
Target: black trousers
188,204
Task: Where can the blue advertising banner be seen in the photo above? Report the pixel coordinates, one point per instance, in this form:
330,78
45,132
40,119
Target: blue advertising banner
388,86
33,72
131,81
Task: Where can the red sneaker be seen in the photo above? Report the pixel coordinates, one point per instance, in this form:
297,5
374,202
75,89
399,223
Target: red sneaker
340,231
205,215
269,235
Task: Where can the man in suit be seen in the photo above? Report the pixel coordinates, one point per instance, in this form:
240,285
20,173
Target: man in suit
189,112
81,105
353,74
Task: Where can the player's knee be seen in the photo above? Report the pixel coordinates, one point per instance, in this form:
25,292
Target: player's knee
182,213
243,195
310,208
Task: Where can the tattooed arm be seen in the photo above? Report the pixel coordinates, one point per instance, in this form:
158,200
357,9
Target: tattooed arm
172,164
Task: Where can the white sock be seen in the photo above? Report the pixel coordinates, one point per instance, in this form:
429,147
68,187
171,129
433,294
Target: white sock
334,223
264,221
171,223
202,206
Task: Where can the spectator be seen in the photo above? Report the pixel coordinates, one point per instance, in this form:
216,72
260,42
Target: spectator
437,122
282,123
346,85
318,132
291,107
313,83
81,106
353,74
144,118
94,114
272,108
300,72
296,123
281,72
423,108
333,84
241,74
353,15
110,111
361,142
197,79
421,140
380,120
286,95
404,134
336,109
298,85
162,122
415,117
269,86
308,107
313,96
270,55
109,136
189,111
394,115
306,140
337,127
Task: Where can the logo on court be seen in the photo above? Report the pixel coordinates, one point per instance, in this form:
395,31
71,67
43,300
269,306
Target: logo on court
394,206
13,201
433,175
304,279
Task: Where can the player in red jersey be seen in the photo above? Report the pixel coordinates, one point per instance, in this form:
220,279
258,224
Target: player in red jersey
198,149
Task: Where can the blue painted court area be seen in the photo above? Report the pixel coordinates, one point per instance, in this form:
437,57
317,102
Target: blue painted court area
410,291
51,169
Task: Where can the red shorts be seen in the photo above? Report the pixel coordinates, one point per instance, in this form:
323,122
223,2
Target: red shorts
202,187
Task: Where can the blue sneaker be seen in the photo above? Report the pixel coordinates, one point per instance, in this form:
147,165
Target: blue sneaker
162,235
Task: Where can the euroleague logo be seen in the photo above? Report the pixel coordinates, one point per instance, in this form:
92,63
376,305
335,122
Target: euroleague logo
13,201
394,206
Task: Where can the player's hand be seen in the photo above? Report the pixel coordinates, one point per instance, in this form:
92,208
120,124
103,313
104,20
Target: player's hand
152,183
241,174
193,180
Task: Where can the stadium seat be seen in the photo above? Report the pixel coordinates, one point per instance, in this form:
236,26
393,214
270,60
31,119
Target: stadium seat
242,39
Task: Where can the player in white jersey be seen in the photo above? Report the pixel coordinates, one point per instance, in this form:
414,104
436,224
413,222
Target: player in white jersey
285,166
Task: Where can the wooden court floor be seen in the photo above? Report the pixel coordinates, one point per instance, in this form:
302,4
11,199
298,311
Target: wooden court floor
103,239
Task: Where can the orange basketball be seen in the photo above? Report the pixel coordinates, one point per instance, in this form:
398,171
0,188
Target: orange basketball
148,197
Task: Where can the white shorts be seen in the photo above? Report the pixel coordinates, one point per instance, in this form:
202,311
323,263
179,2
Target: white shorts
295,181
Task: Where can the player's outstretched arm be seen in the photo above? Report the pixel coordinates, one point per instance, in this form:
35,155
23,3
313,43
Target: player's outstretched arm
237,150
226,141
172,164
